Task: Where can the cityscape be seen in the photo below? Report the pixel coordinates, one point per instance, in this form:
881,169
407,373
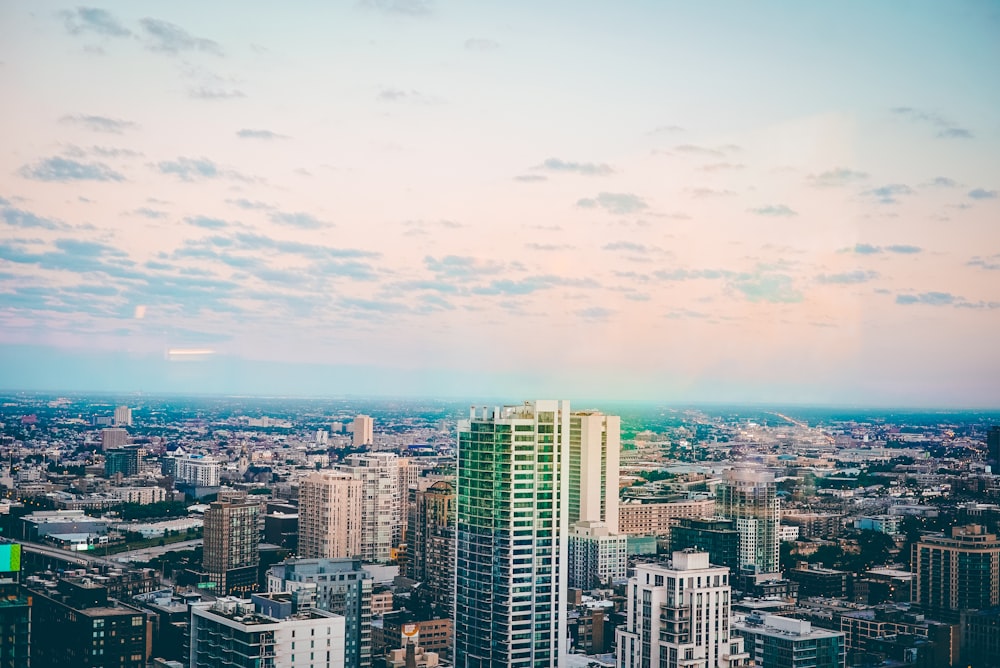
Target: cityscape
438,334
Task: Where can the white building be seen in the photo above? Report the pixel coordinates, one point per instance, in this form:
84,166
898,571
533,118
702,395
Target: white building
197,470
364,431
329,515
271,629
381,510
788,533
679,616
123,416
596,550
140,495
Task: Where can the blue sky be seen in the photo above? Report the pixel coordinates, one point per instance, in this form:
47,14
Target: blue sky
718,201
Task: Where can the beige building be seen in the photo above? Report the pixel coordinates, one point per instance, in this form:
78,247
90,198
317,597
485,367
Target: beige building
364,431
643,519
329,515
957,572
378,473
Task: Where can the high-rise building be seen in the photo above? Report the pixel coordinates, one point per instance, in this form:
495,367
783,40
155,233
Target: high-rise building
123,416
197,471
380,507
15,621
956,572
409,475
597,552
329,515
783,642
272,631
431,544
364,431
231,545
127,461
340,586
75,624
714,535
512,487
678,616
993,449
113,437
750,498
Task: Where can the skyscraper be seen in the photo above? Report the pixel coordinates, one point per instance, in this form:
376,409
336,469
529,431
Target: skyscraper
123,416
431,544
364,431
750,498
679,616
993,449
512,488
231,546
596,551
957,572
380,507
329,515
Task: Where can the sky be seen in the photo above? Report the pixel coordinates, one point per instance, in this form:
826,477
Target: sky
669,201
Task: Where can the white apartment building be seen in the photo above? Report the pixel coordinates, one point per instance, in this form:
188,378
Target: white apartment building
197,470
330,505
679,616
123,416
381,520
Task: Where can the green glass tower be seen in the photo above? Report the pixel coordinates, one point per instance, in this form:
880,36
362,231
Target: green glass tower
512,489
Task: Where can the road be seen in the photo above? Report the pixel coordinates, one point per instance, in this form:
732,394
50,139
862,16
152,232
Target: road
147,553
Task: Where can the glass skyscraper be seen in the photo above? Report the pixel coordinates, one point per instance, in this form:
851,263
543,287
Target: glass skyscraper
512,489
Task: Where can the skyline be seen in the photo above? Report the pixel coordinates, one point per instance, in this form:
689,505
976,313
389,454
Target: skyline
710,203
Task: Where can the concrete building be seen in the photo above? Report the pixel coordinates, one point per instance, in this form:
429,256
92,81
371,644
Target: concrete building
643,519
113,437
272,631
957,572
678,616
123,416
512,486
381,522
597,552
815,580
431,544
329,523
782,642
231,546
197,471
364,431
815,525
409,475
340,586
750,499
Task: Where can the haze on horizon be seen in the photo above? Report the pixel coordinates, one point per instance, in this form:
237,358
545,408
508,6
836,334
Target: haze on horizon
679,202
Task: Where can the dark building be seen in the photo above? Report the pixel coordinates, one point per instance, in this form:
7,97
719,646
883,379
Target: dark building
231,553
76,625
718,537
282,528
814,580
431,544
127,461
993,449
883,585
15,626
981,638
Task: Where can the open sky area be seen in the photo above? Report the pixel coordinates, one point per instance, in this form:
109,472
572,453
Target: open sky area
713,201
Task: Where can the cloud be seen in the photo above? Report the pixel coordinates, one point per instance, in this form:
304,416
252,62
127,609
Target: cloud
941,182
774,288
629,246
548,247
250,205
152,214
866,249
901,249
703,193
981,193
617,203
946,129
595,313
532,284
207,223
193,169
848,278
215,93
400,95
691,149
929,298
166,37
665,129
904,249
259,134
888,194
303,221
63,170
459,266
722,167
584,168
531,178
693,274
93,20
774,210
399,7
991,263
26,219
481,44
99,123
841,176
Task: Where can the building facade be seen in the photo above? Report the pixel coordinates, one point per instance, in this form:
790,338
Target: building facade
957,572
678,616
512,486
714,535
231,546
431,545
364,431
381,523
750,499
657,519
329,523
783,642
